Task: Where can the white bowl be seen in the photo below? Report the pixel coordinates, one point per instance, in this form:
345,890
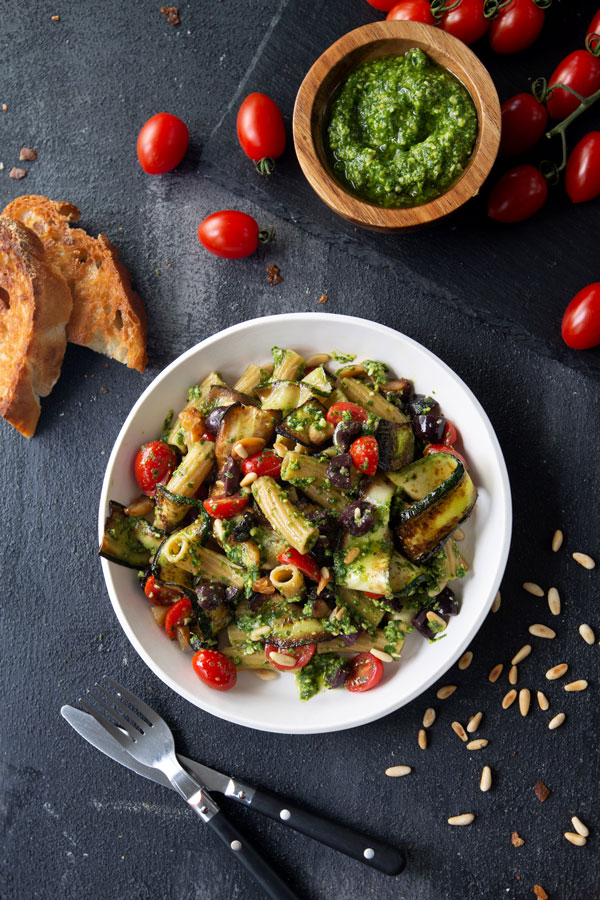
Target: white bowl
274,705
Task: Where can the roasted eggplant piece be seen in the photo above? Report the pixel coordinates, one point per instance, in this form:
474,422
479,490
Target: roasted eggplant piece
226,396
242,421
396,445
171,508
307,425
203,633
128,540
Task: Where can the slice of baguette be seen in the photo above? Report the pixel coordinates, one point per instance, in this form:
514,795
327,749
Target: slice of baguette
35,306
108,316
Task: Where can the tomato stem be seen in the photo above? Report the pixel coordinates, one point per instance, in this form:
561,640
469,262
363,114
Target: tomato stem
265,165
592,43
561,128
440,7
543,4
266,235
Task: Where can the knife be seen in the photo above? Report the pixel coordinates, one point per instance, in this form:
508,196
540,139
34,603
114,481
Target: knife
370,851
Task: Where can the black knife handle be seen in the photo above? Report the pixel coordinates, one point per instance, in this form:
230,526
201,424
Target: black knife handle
367,850
273,886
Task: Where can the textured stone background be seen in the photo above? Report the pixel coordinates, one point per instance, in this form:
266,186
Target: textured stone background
73,822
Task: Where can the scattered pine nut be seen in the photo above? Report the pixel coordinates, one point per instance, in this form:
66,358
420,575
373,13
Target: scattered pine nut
557,539
446,691
486,779
554,601
381,654
576,685
495,673
542,631
428,717
422,739
248,479
513,675
398,771
542,700
509,699
351,555
464,819
459,730
533,588
524,701
579,827
516,839
283,659
556,672
584,560
465,660
556,721
522,654
539,892
496,603
265,674
578,839
474,722
478,744
587,634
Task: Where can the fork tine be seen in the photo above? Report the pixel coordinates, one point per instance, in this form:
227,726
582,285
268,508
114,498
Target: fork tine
147,711
138,722
114,732
127,726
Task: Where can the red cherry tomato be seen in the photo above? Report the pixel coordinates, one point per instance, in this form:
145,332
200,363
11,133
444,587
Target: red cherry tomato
260,129
594,26
383,5
519,194
302,655
365,672
365,454
176,615
229,233
215,669
524,121
582,176
224,507
346,412
581,321
162,143
466,21
265,463
581,72
451,434
153,465
412,11
304,562
444,448
516,26
159,594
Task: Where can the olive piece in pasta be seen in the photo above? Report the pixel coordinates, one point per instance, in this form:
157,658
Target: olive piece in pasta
337,676
339,469
210,595
421,624
230,475
357,518
447,603
242,531
421,405
212,423
345,433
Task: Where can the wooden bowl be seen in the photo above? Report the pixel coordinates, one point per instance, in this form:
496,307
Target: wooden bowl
385,39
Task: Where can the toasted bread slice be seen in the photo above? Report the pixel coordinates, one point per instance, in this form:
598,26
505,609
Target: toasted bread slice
108,316
35,306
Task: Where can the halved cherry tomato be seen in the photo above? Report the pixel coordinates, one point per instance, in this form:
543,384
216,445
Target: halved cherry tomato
365,672
260,129
444,448
215,669
581,321
162,143
519,194
372,596
176,615
582,175
304,562
516,26
154,465
224,507
265,463
365,454
229,233
412,11
580,71
383,5
466,21
346,412
159,594
302,655
524,121
451,434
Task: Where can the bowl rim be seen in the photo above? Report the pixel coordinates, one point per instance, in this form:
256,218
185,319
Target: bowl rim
436,672
482,91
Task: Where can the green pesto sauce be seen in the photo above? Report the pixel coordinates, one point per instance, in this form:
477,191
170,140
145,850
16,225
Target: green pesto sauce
311,678
401,130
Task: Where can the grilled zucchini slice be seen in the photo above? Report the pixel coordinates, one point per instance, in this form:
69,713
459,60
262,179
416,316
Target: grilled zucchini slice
128,540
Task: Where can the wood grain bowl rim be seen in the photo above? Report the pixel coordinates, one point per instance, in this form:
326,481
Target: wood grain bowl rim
342,57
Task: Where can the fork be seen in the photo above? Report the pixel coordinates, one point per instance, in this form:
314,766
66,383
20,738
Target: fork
148,739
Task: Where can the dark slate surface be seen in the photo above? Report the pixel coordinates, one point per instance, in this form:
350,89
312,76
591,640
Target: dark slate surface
74,823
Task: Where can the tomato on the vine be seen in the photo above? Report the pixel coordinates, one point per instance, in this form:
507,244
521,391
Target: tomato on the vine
516,26
215,669
466,21
581,322
224,507
582,175
365,672
302,655
579,71
365,454
594,26
524,121
162,143
519,194
153,465
261,131
229,233
412,11
159,594
176,615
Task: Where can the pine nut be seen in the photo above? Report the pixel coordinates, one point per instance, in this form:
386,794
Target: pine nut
542,631
280,449
513,675
263,586
584,560
496,603
422,739
464,819
340,613
556,721
556,672
509,699
486,779
319,359
524,701
446,691
248,447
265,674
554,601
474,722
587,634
428,717
576,685
398,771
579,827
522,654
533,588
381,654
495,673
578,839
557,539
459,730
478,744
542,700
324,580
436,620
351,555
219,530
248,479
465,660
259,632
282,659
